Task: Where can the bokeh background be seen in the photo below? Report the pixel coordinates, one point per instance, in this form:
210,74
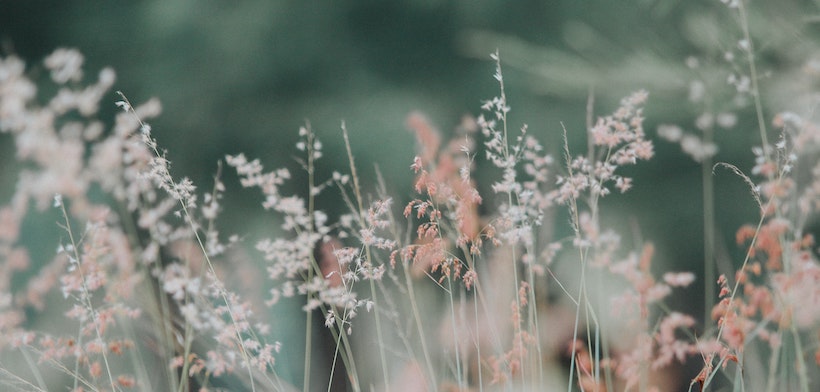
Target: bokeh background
244,76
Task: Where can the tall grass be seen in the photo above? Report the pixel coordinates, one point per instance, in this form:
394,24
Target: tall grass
464,287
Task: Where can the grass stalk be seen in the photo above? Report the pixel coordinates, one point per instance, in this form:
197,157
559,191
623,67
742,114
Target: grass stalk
86,294
459,376
360,215
709,264
310,271
189,218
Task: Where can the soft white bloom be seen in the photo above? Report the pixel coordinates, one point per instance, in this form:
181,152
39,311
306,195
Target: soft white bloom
680,279
65,65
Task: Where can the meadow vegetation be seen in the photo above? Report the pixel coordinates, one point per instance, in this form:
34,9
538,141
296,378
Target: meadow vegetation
467,285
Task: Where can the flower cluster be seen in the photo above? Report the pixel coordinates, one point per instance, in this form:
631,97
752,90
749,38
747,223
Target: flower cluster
314,262
526,198
109,270
450,203
617,140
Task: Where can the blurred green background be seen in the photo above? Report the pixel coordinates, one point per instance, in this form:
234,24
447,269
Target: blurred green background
244,76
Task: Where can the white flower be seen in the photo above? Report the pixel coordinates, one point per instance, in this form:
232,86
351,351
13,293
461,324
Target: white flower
65,65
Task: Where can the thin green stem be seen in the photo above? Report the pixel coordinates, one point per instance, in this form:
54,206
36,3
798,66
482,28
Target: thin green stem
420,327
186,364
533,321
508,159
802,375
477,340
189,218
709,268
774,357
86,294
750,56
309,315
360,215
35,371
459,376
158,308
582,254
